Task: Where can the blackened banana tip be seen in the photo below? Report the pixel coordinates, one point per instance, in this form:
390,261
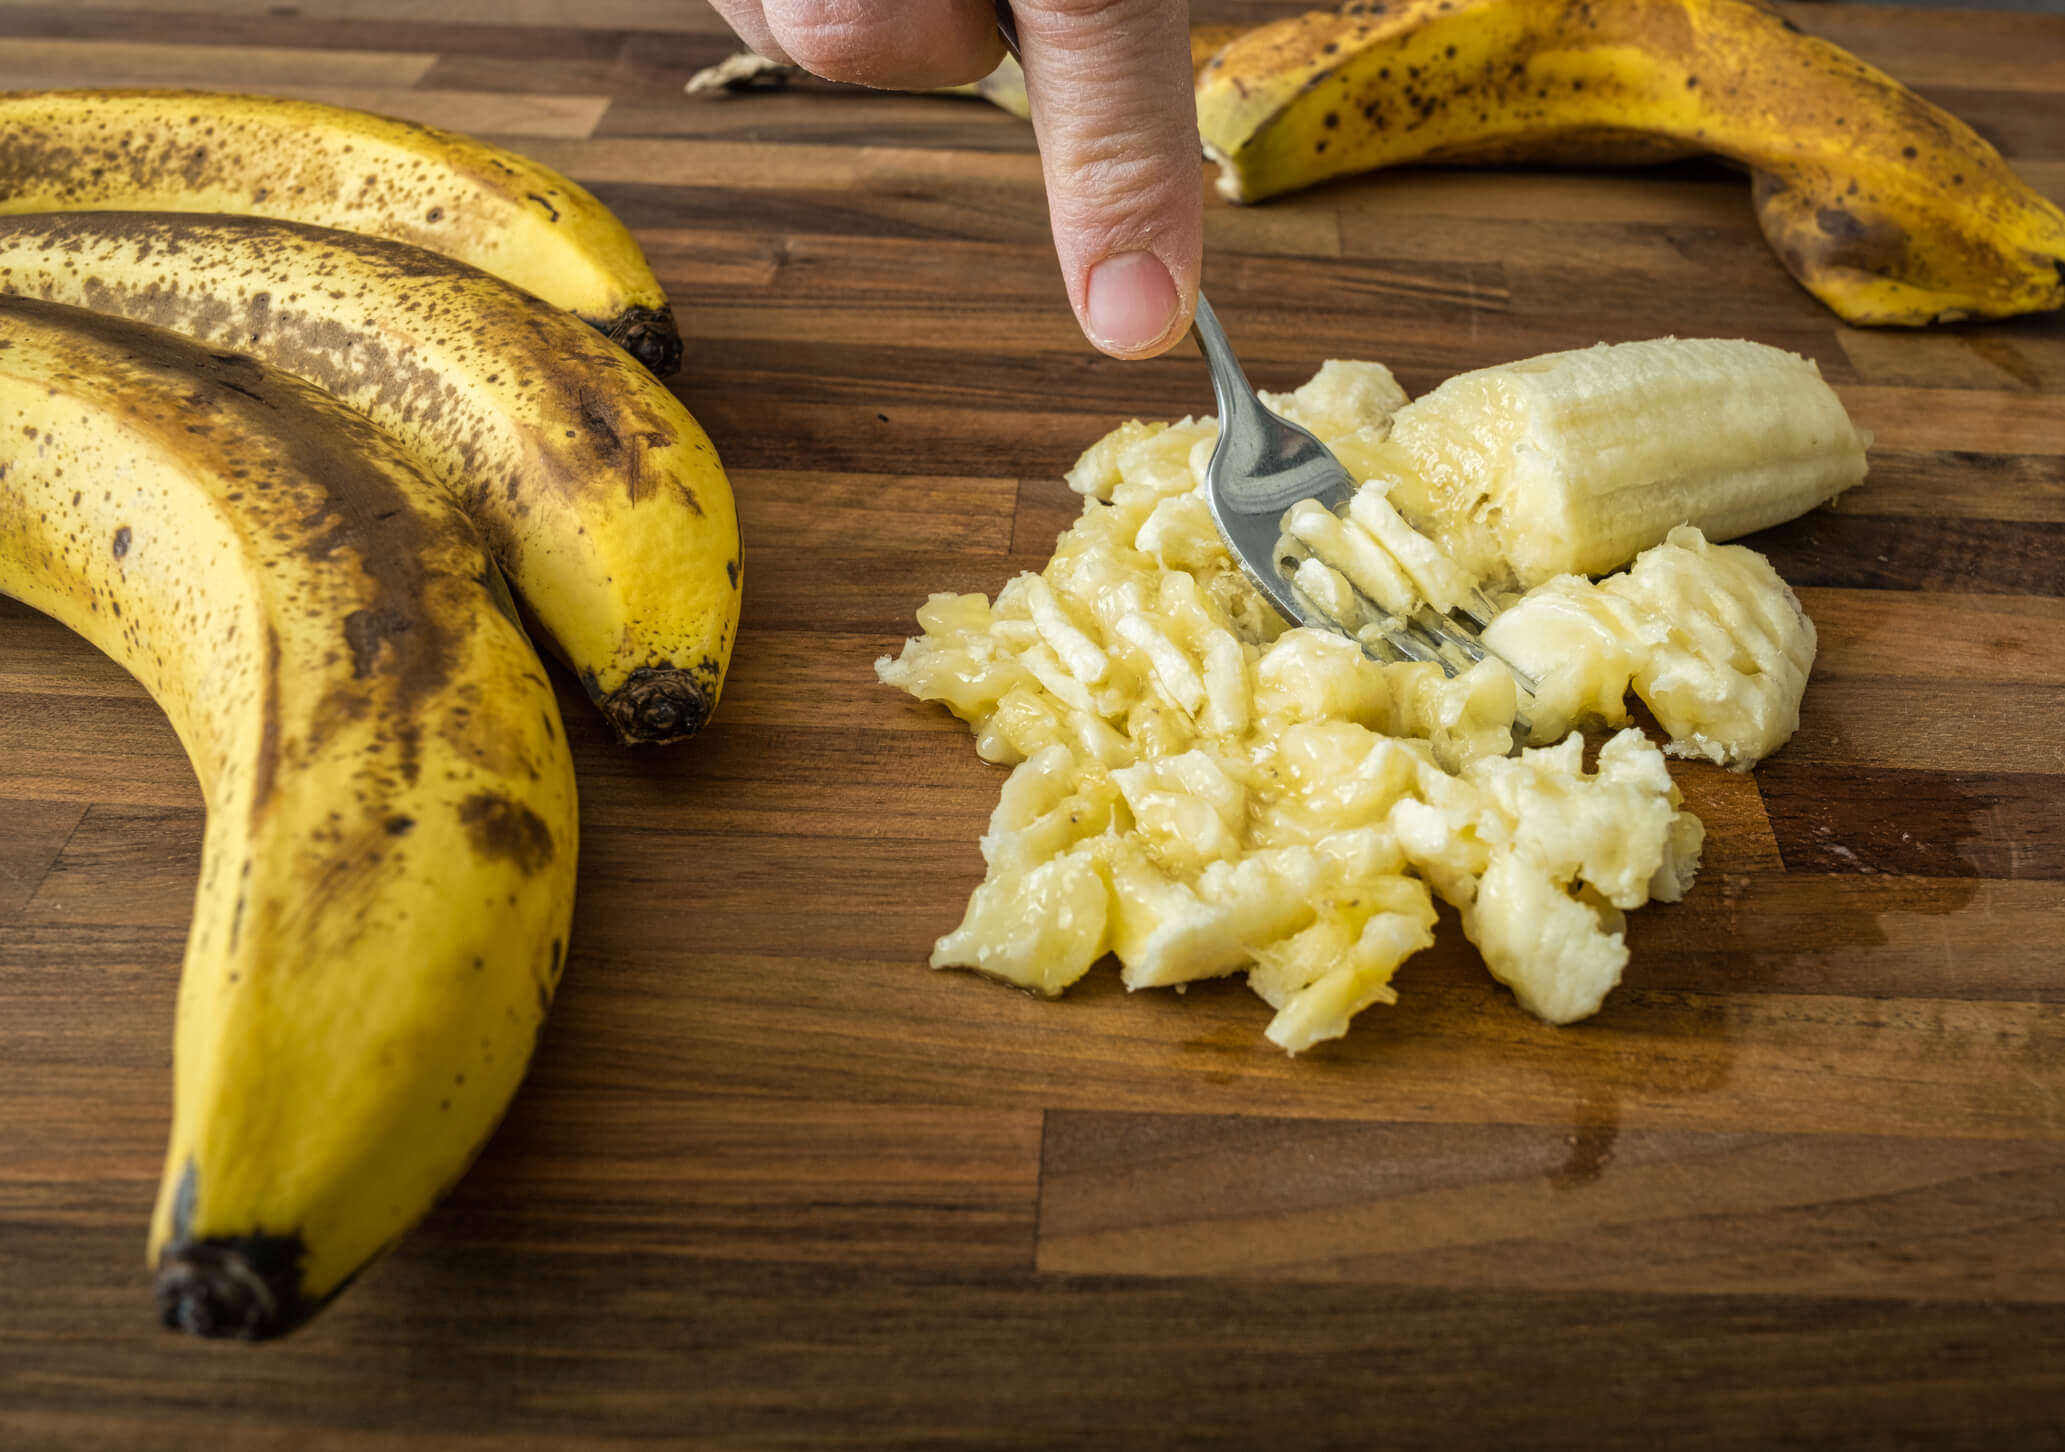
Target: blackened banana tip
658,705
215,1289
650,335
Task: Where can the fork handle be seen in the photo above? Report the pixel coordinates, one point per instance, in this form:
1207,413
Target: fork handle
1230,386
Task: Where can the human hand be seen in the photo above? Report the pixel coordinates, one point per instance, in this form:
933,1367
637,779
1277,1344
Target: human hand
1110,87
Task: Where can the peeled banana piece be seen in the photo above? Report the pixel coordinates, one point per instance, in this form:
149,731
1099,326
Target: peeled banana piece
198,151
600,496
388,868
1886,208
1575,462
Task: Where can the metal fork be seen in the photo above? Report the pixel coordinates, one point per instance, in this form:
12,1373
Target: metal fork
1261,466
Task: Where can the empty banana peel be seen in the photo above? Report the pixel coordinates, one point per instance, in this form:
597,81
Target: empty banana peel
1885,207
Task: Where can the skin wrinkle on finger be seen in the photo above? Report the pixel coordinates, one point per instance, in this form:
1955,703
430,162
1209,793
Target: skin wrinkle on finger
1101,168
1079,185
1107,152
888,44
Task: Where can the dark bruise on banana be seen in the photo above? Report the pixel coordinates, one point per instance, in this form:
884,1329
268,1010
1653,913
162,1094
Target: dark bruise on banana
206,152
1885,207
387,872
602,499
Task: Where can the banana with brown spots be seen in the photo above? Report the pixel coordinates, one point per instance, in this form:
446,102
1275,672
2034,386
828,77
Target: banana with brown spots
302,161
387,872
600,496
1888,209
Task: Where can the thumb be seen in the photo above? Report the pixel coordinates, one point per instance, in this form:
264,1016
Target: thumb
1112,102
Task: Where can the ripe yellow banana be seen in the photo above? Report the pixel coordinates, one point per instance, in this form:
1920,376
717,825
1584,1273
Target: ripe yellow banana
1886,208
197,151
600,496
388,868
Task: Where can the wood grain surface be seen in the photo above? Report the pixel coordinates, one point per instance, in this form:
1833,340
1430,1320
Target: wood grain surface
773,1182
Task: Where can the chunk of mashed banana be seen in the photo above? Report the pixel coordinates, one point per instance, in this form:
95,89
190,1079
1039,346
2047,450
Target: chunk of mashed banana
1708,636
1200,790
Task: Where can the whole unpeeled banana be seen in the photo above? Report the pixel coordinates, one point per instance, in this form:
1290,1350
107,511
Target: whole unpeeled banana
599,494
1887,208
388,867
198,151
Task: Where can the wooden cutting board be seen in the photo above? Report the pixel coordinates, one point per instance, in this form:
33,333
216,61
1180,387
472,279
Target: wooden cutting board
773,1181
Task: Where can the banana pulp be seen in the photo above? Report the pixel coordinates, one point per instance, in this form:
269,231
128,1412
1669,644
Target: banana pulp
267,156
1201,789
388,866
1534,475
1708,636
601,497
1574,462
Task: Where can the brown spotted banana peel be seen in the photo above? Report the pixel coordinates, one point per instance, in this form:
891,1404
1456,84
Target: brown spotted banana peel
1885,207
601,497
387,872
330,166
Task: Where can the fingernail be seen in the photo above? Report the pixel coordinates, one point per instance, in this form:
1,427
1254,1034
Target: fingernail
1131,302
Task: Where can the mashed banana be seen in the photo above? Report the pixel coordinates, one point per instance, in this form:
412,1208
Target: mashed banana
1200,790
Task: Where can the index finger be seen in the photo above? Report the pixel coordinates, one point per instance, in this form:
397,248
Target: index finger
1110,84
